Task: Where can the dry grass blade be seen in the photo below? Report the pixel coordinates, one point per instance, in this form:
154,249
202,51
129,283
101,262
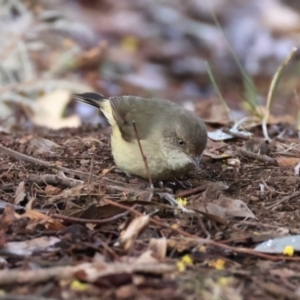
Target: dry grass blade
214,83
251,94
272,90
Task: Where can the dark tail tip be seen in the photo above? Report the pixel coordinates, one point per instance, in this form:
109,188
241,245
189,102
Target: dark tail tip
91,96
93,99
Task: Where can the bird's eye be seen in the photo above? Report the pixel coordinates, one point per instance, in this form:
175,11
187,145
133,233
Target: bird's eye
180,142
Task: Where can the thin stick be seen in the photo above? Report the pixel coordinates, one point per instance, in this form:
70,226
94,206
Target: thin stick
143,155
284,199
21,156
260,157
92,221
91,171
200,240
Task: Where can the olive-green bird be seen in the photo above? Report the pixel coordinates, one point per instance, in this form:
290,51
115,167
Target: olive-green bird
172,138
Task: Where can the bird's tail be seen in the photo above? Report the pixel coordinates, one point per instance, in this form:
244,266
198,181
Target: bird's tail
98,101
93,99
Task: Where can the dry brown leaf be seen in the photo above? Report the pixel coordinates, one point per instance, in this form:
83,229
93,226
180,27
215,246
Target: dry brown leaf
26,248
284,161
182,245
215,209
128,238
40,146
20,193
146,257
235,208
49,110
215,156
51,190
156,251
38,217
158,247
6,219
213,190
68,193
30,204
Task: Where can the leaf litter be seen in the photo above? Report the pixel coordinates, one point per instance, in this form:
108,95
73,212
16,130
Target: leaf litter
76,227
141,241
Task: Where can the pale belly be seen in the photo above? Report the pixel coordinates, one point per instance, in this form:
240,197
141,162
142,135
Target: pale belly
161,164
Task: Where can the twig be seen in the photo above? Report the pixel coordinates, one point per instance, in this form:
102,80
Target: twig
154,221
91,272
54,179
200,240
257,224
287,198
21,156
93,221
39,275
143,155
271,189
190,192
264,158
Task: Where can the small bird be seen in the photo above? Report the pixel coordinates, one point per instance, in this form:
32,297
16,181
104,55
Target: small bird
172,138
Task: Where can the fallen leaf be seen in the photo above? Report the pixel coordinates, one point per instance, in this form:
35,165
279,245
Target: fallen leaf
40,146
48,111
7,217
26,248
20,193
214,190
51,190
136,226
215,209
235,208
146,257
284,161
40,218
158,247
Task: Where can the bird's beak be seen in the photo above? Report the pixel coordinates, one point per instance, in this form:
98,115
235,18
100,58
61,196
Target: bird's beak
195,162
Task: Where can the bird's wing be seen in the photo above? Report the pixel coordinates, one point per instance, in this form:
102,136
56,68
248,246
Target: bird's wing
129,109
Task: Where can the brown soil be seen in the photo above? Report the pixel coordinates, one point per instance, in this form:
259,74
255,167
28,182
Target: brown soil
243,275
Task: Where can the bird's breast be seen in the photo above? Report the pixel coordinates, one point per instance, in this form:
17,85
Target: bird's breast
162,164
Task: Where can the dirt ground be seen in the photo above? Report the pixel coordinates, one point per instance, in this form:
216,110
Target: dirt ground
174,255
73,226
